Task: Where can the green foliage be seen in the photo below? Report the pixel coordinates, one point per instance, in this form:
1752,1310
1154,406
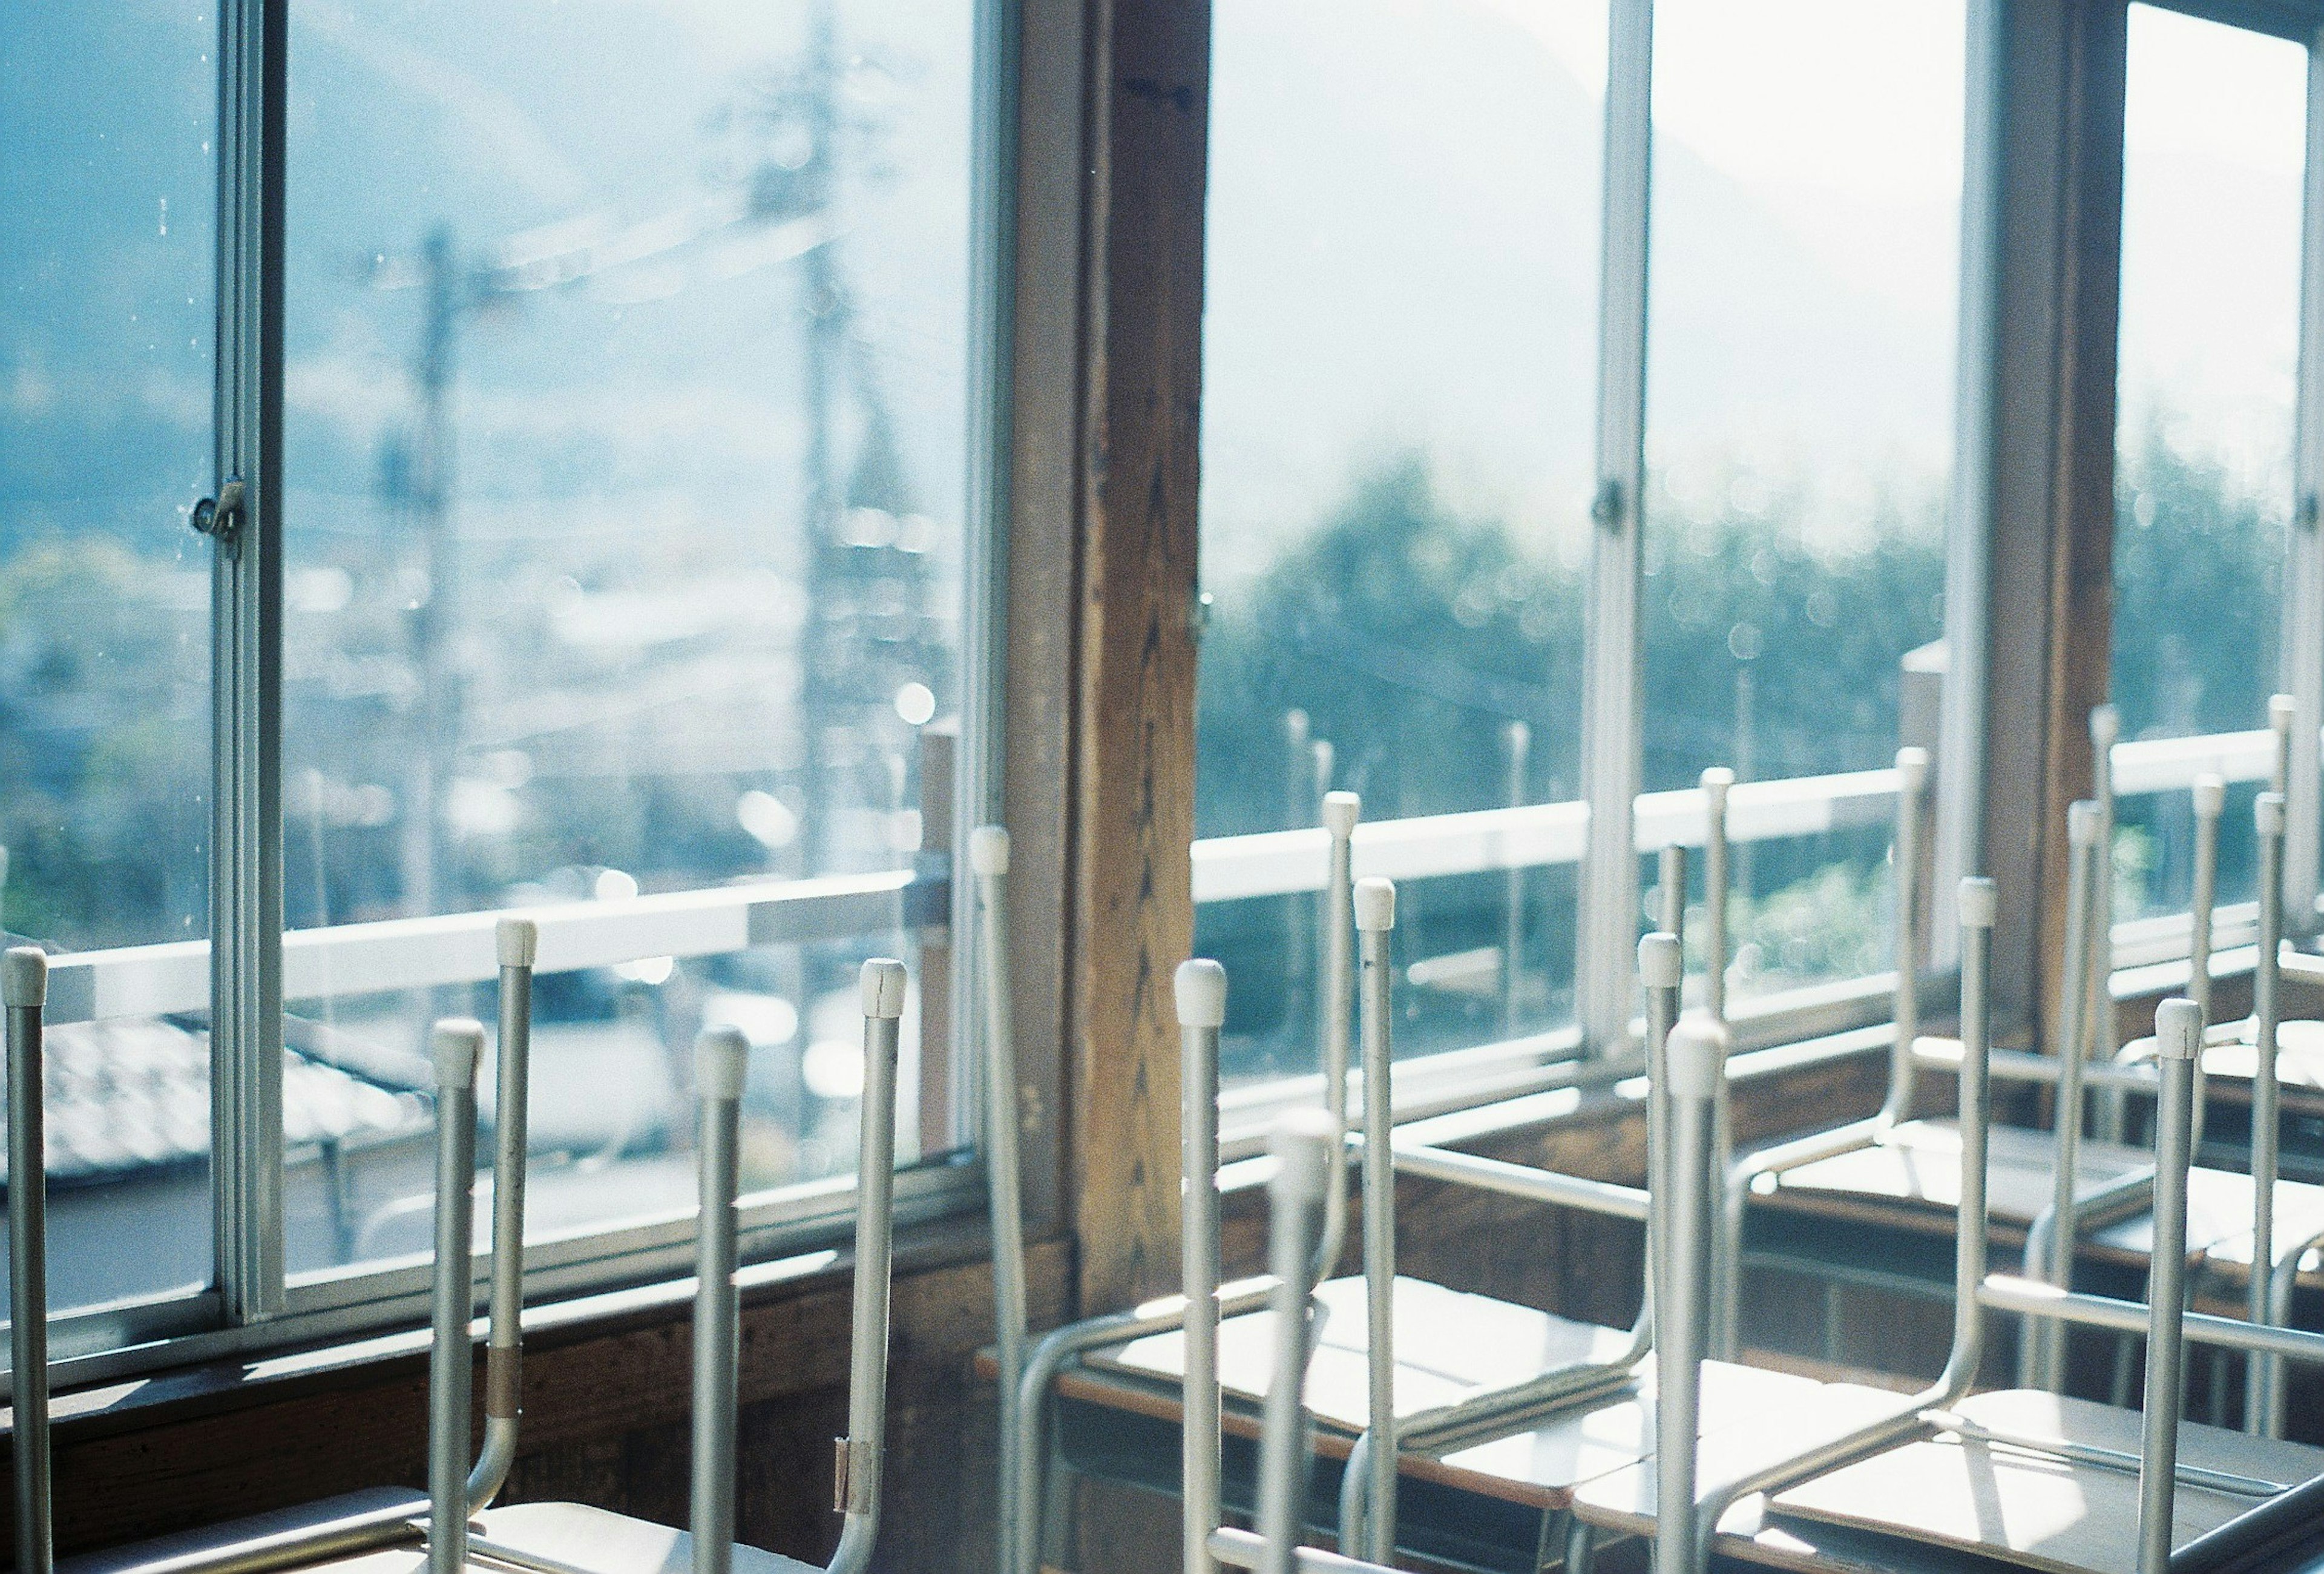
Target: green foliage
102,731
2198,582
1834,923
1774,656
1410,636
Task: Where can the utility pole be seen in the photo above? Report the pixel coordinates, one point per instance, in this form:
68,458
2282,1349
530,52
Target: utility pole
870,629
829,740
436,716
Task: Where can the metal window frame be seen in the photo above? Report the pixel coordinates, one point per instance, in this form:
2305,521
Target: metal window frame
246,869
2300,663
1960,763
141,1333
984,569
2302,670
239,974
1611,681
132,1337
2297,20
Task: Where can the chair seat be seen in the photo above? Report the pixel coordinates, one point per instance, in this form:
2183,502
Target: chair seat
592,1541
1562,1453
1623,1500
2033,1509
1918,1163
1918,1166
391,1509
2233,1055
1449,1346
2218,1220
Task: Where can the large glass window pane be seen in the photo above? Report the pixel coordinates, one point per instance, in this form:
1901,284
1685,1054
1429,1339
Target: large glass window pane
625,408
108,298
611,1114
2214,144
1799,400
1399,363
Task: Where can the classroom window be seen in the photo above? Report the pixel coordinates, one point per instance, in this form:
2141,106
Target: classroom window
624,547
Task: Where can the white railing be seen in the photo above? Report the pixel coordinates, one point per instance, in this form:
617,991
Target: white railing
422,953
360,958
2172,764
1546,835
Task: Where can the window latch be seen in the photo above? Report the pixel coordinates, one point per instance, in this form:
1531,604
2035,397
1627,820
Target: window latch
1606,508
222,516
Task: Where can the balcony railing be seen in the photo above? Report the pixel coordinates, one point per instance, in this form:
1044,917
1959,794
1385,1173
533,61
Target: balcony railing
423,953
1548,835
457,949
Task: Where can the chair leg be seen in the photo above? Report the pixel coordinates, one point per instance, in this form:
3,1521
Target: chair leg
2126,1366
1059,1501
1581,1546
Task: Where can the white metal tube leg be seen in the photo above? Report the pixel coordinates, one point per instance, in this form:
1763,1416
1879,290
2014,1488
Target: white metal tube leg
1662,971
2210,796
1977,912
455,1047
1716,783
2179,1041
1911,799
1518,738
2044,1342
1697,1058
2106,1039
1726,1255
1670,880
1375,915
855,1488
1301,1143
1202,1000
24,978
517,942
722,1058
2262,1372
1975,907
2210,800
988,858
1342,810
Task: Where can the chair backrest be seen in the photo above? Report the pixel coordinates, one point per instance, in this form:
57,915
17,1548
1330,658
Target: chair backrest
721,1065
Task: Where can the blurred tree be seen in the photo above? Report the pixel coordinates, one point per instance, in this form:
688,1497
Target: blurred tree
1410,636
2198,584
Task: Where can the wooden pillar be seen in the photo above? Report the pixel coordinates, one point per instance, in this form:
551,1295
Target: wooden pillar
1133,771
2031,584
